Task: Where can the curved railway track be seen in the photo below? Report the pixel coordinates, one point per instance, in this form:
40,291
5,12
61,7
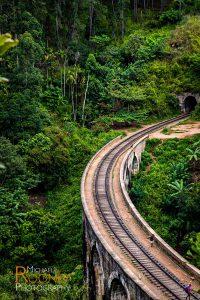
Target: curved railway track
128,243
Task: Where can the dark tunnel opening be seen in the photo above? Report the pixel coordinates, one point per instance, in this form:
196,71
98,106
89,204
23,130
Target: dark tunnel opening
190,103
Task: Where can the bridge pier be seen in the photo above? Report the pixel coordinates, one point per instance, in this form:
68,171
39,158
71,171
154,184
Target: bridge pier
105,279
110,249
133,162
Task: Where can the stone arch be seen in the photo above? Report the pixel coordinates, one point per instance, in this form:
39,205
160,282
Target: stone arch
135,165
130,160
189,103
97,275
127,177
117,288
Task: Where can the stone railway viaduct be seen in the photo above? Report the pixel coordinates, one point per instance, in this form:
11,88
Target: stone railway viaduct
108,274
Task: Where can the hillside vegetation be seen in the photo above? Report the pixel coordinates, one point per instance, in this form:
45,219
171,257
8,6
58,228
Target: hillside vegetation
80,69
166,192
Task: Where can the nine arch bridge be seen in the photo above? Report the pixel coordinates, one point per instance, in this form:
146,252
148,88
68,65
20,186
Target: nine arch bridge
119,264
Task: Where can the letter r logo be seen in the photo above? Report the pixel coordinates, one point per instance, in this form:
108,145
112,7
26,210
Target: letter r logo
18,268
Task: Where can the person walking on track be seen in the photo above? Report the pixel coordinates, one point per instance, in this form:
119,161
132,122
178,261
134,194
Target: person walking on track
188,291
152,239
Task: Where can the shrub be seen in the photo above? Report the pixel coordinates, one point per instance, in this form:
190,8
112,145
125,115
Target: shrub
196,112
15,174
131,46
152,48
194,252
170,17
100,41
186,35
48,154
146,160
152,144
166,131
195,63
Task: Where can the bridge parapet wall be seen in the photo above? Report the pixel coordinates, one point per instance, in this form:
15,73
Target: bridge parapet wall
113,270
108,277
101,275
138,148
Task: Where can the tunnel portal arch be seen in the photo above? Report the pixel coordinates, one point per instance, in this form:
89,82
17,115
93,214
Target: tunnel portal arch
190,103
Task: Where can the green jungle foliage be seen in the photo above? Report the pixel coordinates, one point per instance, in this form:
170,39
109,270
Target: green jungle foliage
48,230
167,194
80,69
196,113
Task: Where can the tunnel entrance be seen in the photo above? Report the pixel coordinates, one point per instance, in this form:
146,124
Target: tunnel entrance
190,103
117,291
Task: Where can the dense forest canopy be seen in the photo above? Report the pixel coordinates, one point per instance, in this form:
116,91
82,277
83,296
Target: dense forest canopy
91,55
63,21
80,69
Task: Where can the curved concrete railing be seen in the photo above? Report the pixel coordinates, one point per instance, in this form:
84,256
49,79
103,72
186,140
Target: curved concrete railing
161,243
105,244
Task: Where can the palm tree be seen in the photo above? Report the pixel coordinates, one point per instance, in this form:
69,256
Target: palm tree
180,198
193,155
179,170
178,187
71,78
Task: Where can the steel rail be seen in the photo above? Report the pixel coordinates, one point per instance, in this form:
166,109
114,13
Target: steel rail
111,218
